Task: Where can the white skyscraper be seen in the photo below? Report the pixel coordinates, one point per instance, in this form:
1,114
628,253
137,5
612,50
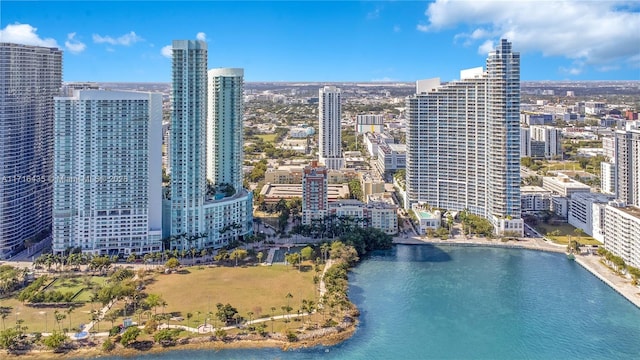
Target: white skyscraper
330,134
30,76
224,127
198,216
107,173
463,142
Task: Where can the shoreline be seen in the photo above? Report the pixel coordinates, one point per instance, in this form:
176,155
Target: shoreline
591,263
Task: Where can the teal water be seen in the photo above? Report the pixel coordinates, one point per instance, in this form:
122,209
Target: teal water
425,302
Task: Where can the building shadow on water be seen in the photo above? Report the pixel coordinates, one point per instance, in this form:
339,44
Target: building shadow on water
419,253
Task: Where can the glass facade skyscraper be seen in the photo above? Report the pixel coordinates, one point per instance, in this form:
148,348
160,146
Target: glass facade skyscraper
30,77
199,216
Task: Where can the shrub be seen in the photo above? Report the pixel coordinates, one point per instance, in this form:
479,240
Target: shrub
291,336
114,330
108,345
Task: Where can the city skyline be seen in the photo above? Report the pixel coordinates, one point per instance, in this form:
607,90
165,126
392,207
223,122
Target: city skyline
369,41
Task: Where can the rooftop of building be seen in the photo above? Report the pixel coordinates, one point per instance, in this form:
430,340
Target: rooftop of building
631,210
533,190
287,191
595,197
564,181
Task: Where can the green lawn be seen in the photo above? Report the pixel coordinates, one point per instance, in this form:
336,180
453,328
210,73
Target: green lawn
566,234
42,319
267,137
564,165
254,288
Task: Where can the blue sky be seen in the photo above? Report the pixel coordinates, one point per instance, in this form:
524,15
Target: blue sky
333,40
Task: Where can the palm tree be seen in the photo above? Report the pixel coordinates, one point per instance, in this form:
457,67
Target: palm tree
189,316
324,249
69,311
4,313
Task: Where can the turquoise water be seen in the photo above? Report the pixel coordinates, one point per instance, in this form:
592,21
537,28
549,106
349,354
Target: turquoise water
425,302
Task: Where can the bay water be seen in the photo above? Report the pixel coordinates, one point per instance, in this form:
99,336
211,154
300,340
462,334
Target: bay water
430,302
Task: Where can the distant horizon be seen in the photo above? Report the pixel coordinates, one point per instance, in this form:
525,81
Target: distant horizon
338,41
342,82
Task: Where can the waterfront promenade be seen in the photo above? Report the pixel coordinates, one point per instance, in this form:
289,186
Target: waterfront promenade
591,263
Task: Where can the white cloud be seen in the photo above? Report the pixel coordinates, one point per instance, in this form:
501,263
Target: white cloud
595,32
201,36
25,34
486,47
167,51
126,39
73,45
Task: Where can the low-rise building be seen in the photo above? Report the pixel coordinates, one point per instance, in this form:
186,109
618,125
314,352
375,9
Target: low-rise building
378,215
373,140
582,208
272,193
370,185
622,229
560,205
427,218
564,185
534,199
391,157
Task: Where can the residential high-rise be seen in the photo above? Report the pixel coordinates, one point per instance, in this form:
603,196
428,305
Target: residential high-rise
188,136
552,139
107,174
224,127
627,165
315,201
463,142
30,77
201,216
330,134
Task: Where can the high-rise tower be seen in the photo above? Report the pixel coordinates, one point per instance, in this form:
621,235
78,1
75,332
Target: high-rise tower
199,216
627,166
224,127
188,136
330,134
107,173
463,142
30,76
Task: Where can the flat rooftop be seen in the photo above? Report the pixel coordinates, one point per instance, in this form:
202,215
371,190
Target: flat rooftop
533,189
631,210
425,214
274,192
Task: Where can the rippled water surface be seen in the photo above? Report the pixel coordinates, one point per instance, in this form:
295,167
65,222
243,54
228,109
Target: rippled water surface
425,302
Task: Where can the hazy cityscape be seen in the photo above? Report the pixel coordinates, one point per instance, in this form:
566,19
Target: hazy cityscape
210,215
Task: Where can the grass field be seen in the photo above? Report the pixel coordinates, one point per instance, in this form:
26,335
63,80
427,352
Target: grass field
565,165
566,234
267,137
42,319
254,288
